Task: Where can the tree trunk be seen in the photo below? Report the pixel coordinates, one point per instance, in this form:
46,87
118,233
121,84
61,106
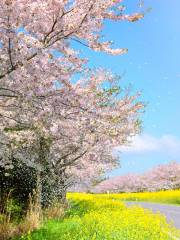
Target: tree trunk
61,186
62,195
39,187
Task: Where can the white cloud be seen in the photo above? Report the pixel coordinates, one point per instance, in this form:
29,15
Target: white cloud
149,144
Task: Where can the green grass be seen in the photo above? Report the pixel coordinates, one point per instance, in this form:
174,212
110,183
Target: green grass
92,217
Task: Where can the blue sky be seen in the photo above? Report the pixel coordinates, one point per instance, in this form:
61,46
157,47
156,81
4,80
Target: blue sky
152,65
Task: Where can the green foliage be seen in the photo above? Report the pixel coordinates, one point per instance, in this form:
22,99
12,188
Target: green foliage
20,181
14,209
17,128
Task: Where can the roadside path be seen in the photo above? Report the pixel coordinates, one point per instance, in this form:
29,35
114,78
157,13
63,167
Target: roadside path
172,212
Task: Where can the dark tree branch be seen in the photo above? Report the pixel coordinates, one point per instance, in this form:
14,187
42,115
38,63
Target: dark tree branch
10,53
9,44
78,41
65,156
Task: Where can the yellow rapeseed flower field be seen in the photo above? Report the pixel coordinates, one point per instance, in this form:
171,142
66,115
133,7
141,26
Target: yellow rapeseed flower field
105,217
171,196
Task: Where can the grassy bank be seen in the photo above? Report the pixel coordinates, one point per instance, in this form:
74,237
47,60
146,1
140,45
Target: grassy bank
97,217
169,197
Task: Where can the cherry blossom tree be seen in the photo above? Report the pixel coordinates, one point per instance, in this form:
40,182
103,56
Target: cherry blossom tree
162,177
32,32
45,120
74,137
126,183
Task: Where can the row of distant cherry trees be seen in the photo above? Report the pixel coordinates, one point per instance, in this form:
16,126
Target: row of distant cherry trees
55,131
162,177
